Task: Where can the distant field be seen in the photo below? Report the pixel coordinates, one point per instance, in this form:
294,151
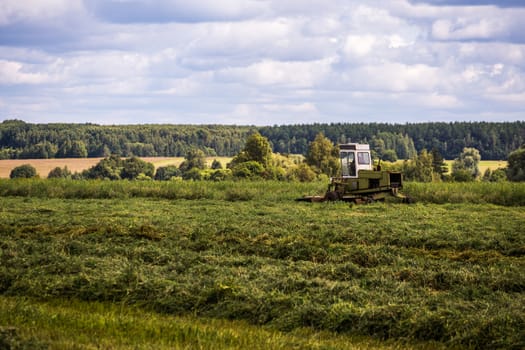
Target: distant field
484,165
44,166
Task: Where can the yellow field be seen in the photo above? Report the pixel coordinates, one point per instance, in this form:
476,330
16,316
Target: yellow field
44,166
483,165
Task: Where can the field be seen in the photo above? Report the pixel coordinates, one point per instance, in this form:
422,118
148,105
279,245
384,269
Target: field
44,166
234,265
483,165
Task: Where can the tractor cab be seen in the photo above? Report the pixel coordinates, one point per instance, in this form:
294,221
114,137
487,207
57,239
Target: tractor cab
354,157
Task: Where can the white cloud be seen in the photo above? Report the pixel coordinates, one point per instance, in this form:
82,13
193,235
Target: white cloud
36,10
394,77
12,73
268,73
359,45
259,61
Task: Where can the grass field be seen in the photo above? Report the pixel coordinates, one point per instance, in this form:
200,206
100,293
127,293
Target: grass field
241,265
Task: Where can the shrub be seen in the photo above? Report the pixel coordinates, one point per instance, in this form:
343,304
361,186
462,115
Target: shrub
59,173
167,172
192,174
302,173
248,169
25,171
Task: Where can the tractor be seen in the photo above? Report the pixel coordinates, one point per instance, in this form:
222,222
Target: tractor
359,181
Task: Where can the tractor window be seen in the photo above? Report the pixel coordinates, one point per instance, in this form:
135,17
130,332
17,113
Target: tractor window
348,163
363,157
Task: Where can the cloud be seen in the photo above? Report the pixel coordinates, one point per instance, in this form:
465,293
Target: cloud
500,3
15,73
157,11
260,61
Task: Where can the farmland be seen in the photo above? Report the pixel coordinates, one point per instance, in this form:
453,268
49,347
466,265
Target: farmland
240,264
44,166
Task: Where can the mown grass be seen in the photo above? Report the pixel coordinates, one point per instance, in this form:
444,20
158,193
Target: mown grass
447,274
71,324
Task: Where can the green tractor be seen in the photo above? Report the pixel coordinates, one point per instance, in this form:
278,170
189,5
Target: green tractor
360,181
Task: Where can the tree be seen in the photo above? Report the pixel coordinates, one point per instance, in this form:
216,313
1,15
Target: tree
254,160
257,148
107,168
59,173
302,173
248,169
167,172
424,168
25,171
497,175
215,165
194,159
438,163
323,155
516,165
134,167
466,167
389,155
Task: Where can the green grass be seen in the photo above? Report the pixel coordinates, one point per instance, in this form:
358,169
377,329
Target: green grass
73,324
501,193
446,275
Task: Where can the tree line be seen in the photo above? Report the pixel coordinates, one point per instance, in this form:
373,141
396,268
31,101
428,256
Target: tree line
256,160
20,140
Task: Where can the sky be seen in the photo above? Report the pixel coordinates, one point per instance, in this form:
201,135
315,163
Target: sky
261,62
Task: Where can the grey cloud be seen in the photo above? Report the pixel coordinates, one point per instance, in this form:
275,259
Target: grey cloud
162,11
501,3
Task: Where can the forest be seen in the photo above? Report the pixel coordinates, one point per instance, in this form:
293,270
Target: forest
21,140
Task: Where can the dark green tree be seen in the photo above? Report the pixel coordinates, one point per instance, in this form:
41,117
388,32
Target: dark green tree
25,171
59,173
497,175
438,163
516,165
134,167
167,172
216,164
108,168
389,155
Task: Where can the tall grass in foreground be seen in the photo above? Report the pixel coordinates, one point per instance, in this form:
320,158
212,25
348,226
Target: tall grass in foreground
96,189
501,193
71,324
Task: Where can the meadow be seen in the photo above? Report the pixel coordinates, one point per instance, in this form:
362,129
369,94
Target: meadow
233,265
